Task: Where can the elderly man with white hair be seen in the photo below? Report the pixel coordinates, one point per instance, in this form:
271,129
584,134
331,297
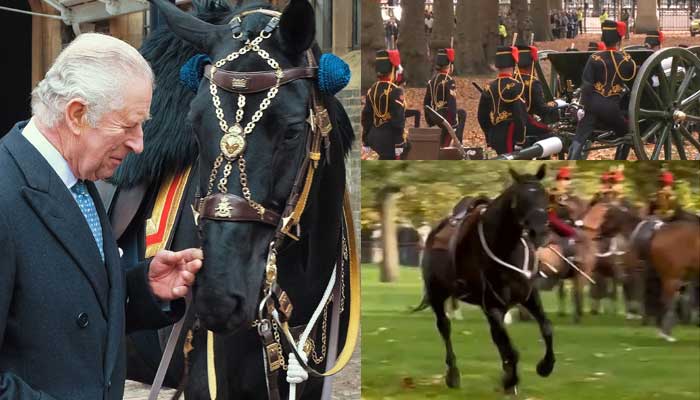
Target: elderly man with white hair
65,300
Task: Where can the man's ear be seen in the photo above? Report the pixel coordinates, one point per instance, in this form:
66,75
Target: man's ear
76,115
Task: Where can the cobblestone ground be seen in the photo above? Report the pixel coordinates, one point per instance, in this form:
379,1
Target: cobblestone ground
345,387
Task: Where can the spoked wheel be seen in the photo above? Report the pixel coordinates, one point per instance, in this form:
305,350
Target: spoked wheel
665,103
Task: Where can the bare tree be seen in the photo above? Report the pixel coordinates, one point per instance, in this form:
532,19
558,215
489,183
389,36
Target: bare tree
539,11
443,27
413,44
390,249
372,40
473,46
488,16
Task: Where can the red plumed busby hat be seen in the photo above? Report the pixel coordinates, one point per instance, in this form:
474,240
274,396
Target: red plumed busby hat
666,178
564,173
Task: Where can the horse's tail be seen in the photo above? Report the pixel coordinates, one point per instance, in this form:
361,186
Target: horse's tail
424,303
425,264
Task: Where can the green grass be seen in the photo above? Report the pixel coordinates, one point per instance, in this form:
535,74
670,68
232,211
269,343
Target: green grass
605,357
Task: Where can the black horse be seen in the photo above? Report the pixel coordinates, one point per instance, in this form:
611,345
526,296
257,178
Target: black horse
461,261
228,288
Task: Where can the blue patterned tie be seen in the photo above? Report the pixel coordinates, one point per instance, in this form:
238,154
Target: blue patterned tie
87,206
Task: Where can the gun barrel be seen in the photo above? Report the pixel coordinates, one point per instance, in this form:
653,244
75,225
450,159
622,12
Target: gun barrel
542,148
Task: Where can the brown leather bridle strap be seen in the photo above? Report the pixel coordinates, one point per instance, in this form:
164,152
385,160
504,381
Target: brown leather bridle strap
232,208
254,82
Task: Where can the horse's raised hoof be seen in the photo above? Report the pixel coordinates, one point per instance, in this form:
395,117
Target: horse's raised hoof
510,381
452,378
667,337
545,367
512,391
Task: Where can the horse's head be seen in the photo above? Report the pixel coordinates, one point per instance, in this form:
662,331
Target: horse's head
267,131
528,202
614,220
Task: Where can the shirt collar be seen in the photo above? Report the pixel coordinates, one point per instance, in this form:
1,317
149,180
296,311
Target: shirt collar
50,153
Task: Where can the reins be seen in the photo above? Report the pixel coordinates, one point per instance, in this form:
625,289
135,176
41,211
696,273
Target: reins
275,307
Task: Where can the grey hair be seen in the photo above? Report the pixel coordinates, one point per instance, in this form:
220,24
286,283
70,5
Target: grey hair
95,68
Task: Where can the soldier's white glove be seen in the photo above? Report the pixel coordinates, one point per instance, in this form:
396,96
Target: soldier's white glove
561,103
655,81
295,372
578,223
580,114
398,151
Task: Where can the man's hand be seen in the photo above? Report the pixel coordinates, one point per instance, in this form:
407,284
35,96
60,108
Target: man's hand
171,273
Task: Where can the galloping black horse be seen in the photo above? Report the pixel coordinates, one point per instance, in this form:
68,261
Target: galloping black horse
464,260
227,291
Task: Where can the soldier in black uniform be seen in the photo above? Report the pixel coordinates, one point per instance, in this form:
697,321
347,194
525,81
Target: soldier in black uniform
596,46
603,87
383,115
654,40
502,112
534,96
440,94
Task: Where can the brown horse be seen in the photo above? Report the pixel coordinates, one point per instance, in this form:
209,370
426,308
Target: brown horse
556,270
485,256
670,248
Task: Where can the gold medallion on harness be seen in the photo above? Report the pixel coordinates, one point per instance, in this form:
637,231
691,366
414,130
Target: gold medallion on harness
232,145
223,209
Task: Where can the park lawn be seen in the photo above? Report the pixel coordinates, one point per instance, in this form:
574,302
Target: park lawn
605,357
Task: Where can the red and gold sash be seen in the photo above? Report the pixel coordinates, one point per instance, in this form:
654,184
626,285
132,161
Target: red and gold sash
159,227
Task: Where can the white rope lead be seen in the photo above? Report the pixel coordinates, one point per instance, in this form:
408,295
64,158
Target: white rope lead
488,251
295,373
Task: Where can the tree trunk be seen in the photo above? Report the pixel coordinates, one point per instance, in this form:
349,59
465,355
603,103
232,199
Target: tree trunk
540,20
488,17
469,57
443,26
555,4
413,44
523,23
372,40
390,247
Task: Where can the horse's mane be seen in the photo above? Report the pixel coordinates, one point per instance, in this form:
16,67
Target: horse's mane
169,141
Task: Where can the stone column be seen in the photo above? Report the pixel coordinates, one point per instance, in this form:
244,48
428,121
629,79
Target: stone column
342,27
647,16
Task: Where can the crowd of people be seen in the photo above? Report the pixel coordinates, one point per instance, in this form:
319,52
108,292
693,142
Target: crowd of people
566,24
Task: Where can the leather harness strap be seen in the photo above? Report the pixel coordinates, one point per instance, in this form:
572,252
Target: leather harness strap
255,82
238,210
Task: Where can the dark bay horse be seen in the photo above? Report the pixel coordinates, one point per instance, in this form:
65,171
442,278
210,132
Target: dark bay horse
465,260
671,249
228,289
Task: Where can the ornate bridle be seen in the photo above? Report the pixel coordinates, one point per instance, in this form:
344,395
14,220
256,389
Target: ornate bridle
275,307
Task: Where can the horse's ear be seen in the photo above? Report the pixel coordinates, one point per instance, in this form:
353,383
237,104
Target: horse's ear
189,28
515,175
297,26
541,172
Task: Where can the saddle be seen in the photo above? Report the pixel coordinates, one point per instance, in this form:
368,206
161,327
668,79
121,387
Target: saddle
641,237
445,234
464,207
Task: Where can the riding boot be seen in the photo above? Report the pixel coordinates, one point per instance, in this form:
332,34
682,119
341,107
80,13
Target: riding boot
575,150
